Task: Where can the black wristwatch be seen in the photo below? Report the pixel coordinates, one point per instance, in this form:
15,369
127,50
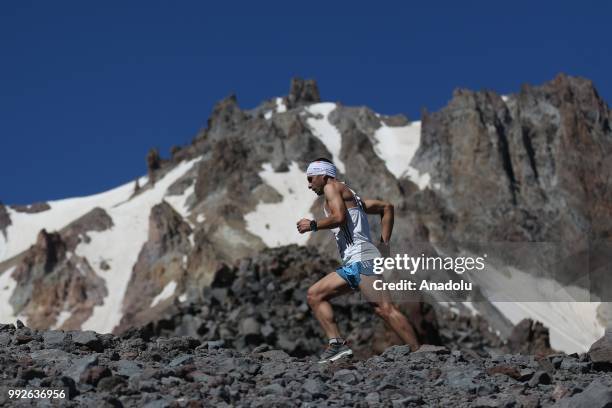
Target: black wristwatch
313,225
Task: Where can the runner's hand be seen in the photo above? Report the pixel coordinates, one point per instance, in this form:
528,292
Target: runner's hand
384,249
303,225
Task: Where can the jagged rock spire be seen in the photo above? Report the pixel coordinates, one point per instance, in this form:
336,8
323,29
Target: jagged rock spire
302,92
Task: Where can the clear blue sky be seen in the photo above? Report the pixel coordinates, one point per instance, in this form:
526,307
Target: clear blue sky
86,88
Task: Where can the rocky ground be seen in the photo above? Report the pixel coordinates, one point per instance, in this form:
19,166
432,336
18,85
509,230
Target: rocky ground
136,371
250,340
261,300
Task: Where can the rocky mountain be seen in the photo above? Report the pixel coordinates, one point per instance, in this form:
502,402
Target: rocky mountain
522,177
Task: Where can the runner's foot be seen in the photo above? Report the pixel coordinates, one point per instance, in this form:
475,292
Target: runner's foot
335,351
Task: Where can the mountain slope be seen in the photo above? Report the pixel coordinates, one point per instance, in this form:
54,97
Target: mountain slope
529,167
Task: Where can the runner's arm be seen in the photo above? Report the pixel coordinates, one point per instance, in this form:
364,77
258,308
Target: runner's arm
337,208
385,209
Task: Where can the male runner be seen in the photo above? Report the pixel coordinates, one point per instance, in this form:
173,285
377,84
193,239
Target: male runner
346,217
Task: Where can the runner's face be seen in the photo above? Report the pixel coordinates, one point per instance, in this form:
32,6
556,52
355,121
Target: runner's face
316,183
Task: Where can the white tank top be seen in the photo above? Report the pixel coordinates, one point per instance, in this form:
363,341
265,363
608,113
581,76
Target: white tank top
353,238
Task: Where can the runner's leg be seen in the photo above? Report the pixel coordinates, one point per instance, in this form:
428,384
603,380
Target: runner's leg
381,302
318,297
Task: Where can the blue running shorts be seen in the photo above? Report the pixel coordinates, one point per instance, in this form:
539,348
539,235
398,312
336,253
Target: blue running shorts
351,273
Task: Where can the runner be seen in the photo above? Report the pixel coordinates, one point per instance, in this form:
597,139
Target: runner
346,217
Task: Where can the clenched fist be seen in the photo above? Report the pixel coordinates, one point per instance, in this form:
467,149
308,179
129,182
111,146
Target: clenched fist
303,225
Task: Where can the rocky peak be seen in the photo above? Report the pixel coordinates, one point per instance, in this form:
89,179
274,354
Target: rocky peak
504,164
575,93
303,92
226,117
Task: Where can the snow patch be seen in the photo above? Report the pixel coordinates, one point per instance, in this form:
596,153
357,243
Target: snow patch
166,292
280,105
61,319
573,325
396,146
182,298
279,108
322,128
131,229
7,286
200,218
275,223
25,226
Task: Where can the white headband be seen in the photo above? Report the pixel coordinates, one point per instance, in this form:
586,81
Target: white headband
321,168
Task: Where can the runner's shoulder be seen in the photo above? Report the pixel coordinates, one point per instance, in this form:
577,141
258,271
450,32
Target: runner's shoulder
331,189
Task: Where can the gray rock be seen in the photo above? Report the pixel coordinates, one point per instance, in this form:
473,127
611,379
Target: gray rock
276,355
51,355
275,389
89,339
186,359
226,365
109,383
159,403
463,378
128,368
170,380
601,351
6,327
215,344
494,401
199,376
345,377
396,352
429,348
573,365
315,388
540,377
273,369
54,339
407,401
526,374
373,398
5,339
596,395
80,365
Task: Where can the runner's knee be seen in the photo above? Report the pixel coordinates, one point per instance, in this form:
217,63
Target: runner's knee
313,296
384,309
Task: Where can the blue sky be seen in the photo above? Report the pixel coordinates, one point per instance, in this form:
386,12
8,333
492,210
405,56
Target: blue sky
86,88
